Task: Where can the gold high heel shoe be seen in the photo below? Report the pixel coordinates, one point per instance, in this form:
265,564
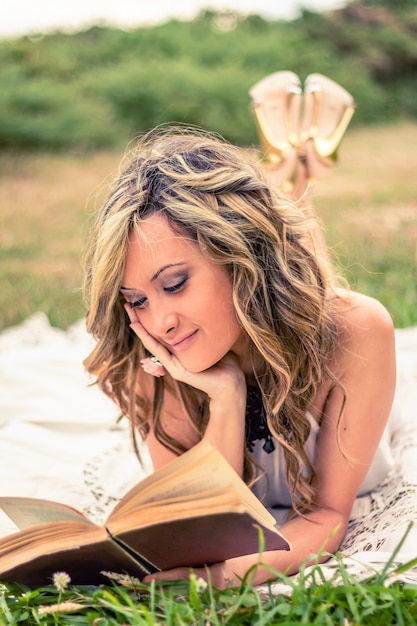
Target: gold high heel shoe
276,104
328,109
299,129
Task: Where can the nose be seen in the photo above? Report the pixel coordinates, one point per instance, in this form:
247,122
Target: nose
162,319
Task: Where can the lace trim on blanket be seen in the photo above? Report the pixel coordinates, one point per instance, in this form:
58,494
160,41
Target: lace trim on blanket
99,472
389,508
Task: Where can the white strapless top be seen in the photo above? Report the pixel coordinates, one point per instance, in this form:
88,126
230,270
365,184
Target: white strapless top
272,487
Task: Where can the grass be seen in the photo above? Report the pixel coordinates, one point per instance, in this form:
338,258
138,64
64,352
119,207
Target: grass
311,598
46,201
367,205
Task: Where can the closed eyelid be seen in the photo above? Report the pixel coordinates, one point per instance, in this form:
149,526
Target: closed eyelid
136,299
138,303
133,299
179,282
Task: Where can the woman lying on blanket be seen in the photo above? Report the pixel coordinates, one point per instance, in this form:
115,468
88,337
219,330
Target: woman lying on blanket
195,260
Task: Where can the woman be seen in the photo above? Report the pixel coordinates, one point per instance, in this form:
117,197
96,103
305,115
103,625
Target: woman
195,260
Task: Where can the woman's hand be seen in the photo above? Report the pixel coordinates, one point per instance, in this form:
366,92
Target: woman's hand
219,381
221,575
225,385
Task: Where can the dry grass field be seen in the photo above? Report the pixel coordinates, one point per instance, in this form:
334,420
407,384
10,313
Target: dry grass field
367,204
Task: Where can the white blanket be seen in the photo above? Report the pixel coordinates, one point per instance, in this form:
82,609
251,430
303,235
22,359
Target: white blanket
60,438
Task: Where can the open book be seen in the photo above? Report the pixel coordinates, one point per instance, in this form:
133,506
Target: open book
194,511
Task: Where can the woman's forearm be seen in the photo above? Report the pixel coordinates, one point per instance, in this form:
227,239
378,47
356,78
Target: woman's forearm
226,428
320,533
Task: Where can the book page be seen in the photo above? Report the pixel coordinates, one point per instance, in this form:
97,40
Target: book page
27,512
200,472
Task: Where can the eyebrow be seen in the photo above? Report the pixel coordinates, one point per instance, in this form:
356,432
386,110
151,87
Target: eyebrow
158,273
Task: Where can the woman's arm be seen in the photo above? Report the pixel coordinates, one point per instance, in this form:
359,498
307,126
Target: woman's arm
225,429
225,385
365,365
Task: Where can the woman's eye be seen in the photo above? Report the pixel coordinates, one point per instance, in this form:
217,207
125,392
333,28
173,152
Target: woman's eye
137,304
177,286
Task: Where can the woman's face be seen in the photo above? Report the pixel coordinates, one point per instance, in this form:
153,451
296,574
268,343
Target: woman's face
183,299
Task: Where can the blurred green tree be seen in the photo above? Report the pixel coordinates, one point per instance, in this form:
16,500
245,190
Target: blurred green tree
103,86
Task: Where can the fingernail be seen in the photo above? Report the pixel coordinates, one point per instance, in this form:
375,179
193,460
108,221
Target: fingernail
152,367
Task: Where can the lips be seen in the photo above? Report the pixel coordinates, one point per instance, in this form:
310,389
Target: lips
184,342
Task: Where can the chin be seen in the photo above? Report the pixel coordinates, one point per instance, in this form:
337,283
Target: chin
196,366
195,369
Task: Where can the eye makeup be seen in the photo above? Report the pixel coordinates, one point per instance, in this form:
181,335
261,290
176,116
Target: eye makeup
177,286
172,286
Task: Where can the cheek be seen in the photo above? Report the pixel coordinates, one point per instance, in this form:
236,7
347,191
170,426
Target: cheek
227,312
226,324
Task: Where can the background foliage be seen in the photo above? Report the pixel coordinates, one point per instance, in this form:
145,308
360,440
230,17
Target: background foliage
101,87
70,103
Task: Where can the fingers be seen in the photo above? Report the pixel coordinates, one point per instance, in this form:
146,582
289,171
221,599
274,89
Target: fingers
161,357
148,341
178,573
136,325
152,366
215,575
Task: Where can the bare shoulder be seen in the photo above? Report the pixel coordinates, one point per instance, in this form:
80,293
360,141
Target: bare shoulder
365,327
360,314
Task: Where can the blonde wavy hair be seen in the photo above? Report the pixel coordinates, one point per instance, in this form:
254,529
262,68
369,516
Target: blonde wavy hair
217,194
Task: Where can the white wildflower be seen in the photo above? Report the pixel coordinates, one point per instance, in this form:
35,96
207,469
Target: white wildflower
201,585
61,580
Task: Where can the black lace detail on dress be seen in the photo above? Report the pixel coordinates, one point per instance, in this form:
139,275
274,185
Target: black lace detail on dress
256,426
